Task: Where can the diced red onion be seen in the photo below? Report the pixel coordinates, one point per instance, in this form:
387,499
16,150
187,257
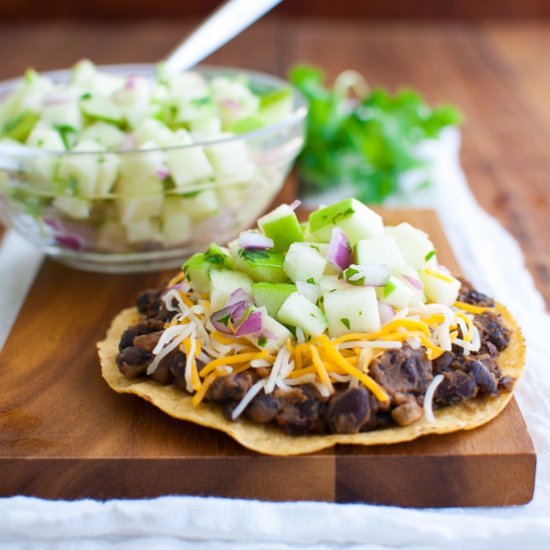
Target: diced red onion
234,312
251,325
52,100
372,275
162,173
269,335
231,105
55,224
251,239
72,242
240,295
386,311
413,281
295,204
310,291
339,250
131,82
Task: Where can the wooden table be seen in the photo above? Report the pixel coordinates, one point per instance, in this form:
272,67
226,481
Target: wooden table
497,74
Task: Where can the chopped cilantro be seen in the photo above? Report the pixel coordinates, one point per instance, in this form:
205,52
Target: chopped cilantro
86,96
262,341
345,322
311,281
429,255
67,134
225,320
253,254
389,288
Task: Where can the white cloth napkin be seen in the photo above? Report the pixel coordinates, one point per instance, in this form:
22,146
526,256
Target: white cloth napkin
491,258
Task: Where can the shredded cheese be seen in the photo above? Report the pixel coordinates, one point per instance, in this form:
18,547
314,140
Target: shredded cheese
232,359
428,398
333,353
249,396
476,310
320,367
199,396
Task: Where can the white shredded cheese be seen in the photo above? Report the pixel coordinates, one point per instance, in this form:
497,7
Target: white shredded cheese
258,363
428,398
169,341
188,360
300,336
249,396
274,375
304,379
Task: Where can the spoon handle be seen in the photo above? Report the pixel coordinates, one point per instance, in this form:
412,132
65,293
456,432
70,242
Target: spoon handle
231,18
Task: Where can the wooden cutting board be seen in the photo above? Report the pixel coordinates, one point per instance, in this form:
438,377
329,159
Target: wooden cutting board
65,434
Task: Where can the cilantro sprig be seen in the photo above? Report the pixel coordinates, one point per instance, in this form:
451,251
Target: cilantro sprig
368,143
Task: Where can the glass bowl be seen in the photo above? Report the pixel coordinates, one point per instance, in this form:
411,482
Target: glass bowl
155,224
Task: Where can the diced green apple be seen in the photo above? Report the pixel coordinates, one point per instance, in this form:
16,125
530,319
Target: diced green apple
78,209
154,130
439,287
261,265
140,166
102,108
303,263
143,231
201,204
45,137
398,293
19,126
380,250
223,283
415,246
278,333
329,283
353,217
353,309
139,202
105,134
230,161
282,226
298,311
83,168
108,174
176,226
272,295
187,165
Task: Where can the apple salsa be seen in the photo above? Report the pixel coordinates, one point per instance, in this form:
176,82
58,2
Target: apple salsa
118,163
336,325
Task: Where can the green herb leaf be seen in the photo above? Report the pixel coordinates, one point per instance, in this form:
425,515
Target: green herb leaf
262,341
370,143
345,322
389,288
430,255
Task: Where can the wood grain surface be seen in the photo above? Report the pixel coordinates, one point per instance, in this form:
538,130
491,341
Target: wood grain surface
65,434
497,73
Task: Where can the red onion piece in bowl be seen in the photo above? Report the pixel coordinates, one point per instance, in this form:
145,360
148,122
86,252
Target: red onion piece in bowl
251,239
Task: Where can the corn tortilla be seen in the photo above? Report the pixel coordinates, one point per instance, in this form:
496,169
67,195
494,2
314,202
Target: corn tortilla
270,439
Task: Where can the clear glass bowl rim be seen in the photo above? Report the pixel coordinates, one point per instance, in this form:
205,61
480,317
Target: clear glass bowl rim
298,113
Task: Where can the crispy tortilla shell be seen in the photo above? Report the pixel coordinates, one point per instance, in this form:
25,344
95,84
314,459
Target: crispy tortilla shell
270,439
